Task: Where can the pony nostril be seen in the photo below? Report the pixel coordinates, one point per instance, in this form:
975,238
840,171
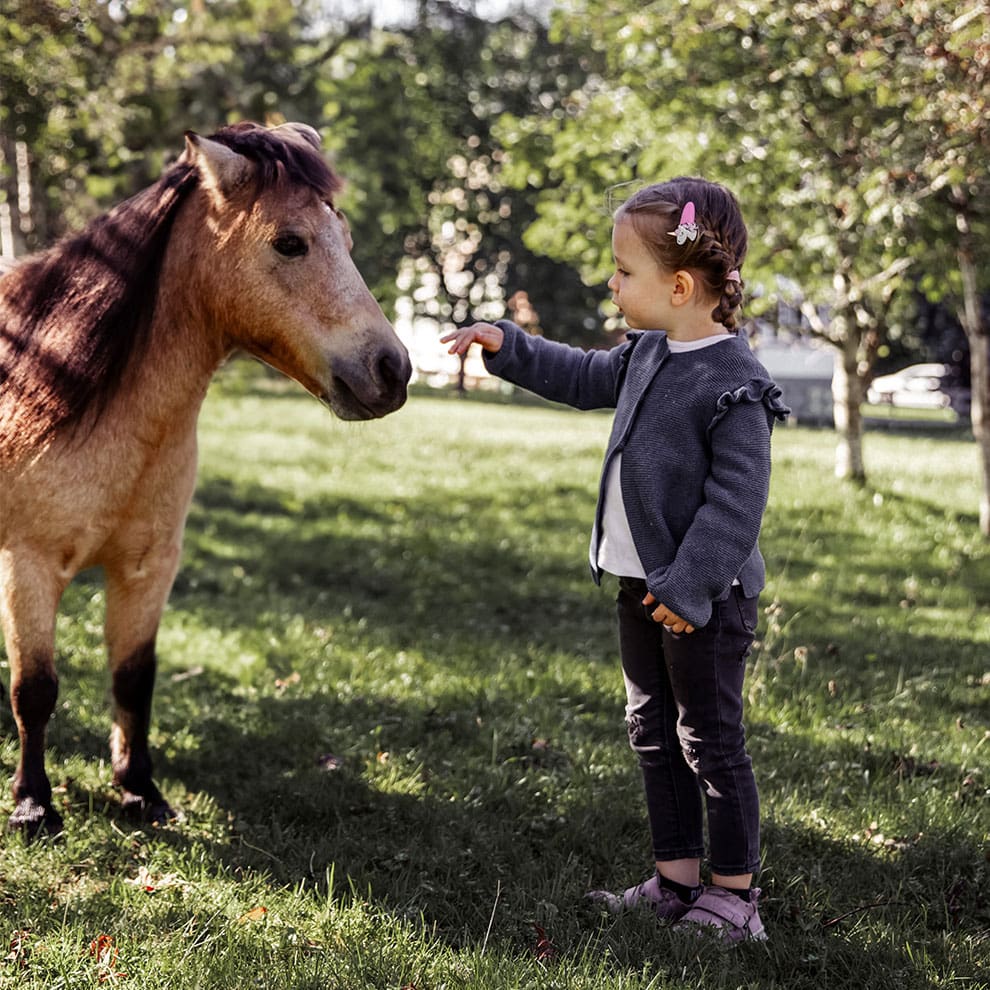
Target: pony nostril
394,369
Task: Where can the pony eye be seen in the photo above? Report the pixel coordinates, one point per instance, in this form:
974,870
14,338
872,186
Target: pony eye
290,246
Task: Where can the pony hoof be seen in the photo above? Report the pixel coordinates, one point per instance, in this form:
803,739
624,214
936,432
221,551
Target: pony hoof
32,819
151,811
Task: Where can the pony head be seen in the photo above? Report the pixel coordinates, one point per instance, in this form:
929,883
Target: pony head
274,254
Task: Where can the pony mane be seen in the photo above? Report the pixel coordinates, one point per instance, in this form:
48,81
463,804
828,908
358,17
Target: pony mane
74,318
277,159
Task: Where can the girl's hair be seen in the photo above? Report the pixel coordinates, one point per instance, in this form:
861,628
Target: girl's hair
717,251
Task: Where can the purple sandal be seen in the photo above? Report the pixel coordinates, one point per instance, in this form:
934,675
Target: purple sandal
733,919
667,905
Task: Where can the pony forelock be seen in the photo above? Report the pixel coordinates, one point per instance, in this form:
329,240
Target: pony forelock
278,158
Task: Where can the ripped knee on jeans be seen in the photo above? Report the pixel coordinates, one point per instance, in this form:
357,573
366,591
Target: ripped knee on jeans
636,729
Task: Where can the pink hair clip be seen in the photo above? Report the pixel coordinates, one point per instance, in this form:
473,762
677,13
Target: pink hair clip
686,229
734,276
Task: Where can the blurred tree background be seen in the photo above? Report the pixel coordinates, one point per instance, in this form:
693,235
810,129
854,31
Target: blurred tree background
483,144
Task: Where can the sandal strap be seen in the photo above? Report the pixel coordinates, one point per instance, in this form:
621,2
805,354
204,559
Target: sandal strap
718,907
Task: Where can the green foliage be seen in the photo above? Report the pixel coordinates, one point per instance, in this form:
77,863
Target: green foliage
102,100
390,709
834,123
411,118
837,125
59,94
101,93
778,102
825,118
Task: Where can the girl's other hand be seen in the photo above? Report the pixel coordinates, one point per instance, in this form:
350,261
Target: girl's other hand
486,334
672,622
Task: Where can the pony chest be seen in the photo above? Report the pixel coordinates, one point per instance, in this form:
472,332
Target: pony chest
81,508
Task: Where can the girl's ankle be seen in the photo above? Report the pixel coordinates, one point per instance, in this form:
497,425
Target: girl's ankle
686,892
743,893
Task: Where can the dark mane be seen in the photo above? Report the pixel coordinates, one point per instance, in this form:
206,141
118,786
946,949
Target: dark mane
74,318
299,161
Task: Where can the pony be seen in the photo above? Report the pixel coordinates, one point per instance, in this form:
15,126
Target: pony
108,343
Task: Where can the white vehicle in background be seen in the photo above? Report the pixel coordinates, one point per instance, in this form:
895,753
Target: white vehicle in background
919,386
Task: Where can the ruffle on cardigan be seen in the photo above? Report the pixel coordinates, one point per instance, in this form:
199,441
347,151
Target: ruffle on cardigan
755,390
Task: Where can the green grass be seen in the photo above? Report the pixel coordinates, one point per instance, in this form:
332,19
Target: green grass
410,598
893,416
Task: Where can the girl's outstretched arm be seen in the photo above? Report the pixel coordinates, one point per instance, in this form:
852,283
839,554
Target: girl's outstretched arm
487,334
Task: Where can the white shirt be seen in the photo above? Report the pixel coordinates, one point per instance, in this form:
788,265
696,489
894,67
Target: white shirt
616,550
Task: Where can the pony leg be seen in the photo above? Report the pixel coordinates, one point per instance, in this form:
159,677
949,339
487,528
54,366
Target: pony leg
28,604
136,597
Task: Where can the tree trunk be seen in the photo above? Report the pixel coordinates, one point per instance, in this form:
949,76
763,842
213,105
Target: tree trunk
847,396
979,349
979,357
8,197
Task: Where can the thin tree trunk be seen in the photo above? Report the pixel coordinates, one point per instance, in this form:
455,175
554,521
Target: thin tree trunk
979,346
847,396
979,356
9,220
847,388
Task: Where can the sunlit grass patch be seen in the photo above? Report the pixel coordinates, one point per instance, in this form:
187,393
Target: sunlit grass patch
390,709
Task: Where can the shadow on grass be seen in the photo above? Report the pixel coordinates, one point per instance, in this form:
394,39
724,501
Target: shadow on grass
445,810
538,828
412,579
518,832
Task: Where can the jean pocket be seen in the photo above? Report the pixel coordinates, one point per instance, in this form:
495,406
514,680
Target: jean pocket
748,611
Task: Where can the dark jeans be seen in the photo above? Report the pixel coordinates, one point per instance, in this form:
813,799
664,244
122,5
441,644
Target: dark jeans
684,715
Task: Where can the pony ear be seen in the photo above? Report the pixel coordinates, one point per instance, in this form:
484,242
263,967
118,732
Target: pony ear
222,170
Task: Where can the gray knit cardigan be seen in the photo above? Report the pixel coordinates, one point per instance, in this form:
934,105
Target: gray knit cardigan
694,431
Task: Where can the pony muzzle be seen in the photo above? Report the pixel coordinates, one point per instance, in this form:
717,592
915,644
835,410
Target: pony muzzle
371,388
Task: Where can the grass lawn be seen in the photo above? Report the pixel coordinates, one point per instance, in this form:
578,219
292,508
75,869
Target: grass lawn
390,709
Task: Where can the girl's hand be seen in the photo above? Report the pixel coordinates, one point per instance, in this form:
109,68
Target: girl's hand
486,334
671,621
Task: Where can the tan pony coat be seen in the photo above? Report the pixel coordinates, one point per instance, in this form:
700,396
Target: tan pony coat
108,343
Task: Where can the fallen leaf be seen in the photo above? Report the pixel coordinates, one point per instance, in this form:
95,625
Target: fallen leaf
150,883
253,916
329,762
20,949
104,949
544,950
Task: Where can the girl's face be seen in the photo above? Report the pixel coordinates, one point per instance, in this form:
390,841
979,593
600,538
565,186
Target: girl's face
640,287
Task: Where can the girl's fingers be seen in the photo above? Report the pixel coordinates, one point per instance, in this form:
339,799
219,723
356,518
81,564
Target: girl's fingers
462,340
488,336
671,622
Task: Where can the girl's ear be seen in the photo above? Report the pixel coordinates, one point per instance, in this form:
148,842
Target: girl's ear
684,288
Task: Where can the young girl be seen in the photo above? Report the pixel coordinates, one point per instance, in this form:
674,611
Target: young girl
681,498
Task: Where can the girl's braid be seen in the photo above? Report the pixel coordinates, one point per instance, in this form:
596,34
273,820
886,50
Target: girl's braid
719,263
